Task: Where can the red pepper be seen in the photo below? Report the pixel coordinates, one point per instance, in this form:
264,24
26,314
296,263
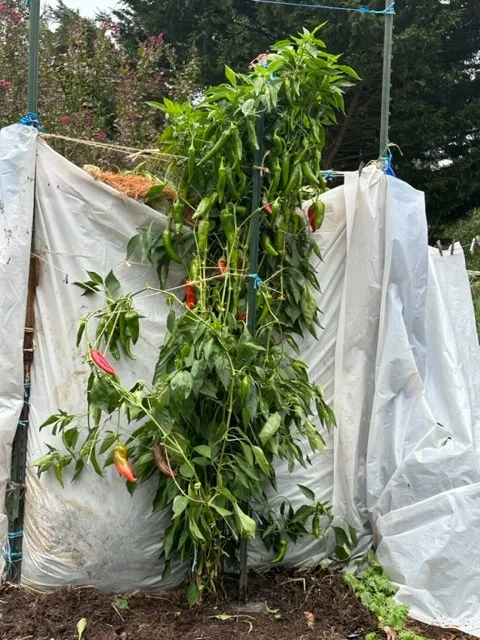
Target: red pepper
191,295
313,219
101,362
242,316
162,462
268,209
222,266
122,463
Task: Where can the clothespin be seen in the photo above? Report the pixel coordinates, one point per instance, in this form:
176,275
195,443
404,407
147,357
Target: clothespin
360,168
475,241
452,247
439,247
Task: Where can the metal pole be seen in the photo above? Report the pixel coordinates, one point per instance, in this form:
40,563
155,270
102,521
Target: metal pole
33,53
386,81
252,298
15,500
255,223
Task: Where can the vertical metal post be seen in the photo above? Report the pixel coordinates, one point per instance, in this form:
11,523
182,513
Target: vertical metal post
33,55
15,500
386,80
252,298
255,223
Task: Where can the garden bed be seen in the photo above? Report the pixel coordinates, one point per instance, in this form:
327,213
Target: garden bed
281,607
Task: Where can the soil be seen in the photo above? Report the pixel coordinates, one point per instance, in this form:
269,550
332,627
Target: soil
281,606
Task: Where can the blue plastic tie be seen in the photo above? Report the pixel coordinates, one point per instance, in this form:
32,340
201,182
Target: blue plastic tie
31,120
27,2
390,10
257,281
14,535
387,164
23,423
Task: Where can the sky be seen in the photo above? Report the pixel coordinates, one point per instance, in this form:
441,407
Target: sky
87,7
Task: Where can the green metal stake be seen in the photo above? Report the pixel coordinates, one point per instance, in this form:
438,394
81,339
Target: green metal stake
252,297
33,54
255,223
386,81
15,502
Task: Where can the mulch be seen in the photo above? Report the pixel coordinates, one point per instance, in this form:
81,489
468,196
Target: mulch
281,606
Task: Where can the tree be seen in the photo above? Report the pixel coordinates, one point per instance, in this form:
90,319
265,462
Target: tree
435,94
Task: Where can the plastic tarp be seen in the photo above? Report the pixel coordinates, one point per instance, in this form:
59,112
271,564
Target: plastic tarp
17,173
398,357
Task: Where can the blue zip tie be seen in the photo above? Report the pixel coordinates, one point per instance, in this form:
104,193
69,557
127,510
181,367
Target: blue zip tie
23,423
390,10
14,535
31,120
387,164
257,281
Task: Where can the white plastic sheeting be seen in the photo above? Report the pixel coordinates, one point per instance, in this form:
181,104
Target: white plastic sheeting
398,357
17,173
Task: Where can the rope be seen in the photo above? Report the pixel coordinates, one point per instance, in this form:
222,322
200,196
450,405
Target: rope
387,11
132,151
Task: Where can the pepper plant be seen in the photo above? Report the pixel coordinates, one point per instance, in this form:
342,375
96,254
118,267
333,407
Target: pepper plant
223,404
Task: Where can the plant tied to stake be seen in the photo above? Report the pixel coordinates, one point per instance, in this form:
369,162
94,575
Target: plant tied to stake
223,404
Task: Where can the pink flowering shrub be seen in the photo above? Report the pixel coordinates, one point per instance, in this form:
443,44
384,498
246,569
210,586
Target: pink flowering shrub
89,87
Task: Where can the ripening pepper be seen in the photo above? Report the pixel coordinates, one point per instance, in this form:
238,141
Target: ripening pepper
101,362
122,464
191,296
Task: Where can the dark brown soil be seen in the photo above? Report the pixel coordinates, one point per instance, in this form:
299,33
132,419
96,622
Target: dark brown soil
280,607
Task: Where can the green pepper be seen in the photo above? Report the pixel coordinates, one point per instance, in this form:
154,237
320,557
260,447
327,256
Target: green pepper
285,168
280,236
205,205
167,243
195,268
244,390
178,215
133,324
277,142
231,184
268,246
308,173
295,181
316,526
276,208
127,348
252,134
237,144
233,262
275,181
191,161
266,308
319,211
203,230
222,180
227,220
122,324
218,146
282,550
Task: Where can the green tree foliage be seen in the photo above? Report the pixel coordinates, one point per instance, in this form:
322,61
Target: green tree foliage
435,86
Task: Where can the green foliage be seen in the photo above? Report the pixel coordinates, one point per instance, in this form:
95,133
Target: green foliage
89,86
464,231
435,109
224,403
376,593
